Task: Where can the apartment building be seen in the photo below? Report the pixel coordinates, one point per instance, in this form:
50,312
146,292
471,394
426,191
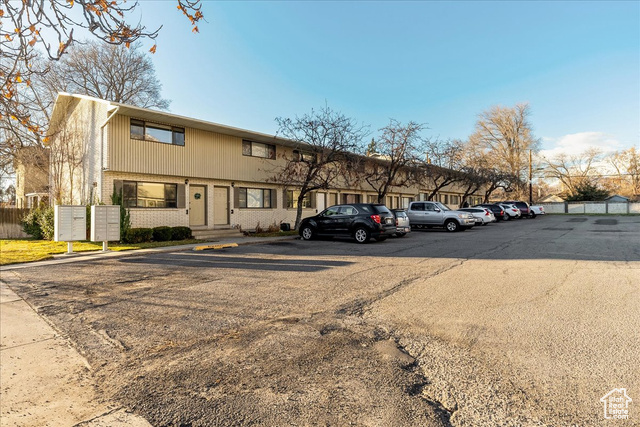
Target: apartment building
180,171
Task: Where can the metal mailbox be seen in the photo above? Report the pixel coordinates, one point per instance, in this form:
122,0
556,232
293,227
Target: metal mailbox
105,223
70,223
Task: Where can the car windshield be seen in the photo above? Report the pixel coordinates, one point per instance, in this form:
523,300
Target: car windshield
443,207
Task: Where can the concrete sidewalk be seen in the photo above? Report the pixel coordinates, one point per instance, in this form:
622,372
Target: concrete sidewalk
43,380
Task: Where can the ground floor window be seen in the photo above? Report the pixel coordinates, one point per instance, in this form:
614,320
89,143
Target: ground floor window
333,199
350,198
149,195
292,199
254,198
406,201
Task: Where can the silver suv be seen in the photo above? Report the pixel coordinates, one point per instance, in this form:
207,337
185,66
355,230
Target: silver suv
435,214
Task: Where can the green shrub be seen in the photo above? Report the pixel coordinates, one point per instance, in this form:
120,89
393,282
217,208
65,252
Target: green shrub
138,235
125,215
181,233
38,223
30,224
162,234
46,222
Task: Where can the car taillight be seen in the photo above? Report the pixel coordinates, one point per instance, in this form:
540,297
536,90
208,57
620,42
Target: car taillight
486,213
515,210
376,218
396,221
501,212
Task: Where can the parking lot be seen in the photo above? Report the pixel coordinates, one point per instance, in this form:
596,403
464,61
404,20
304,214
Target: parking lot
528,322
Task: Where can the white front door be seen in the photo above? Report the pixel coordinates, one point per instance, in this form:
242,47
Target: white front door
320,197
220,206
197,205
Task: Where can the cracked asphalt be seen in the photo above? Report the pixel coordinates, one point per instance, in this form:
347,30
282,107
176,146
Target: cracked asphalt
527,322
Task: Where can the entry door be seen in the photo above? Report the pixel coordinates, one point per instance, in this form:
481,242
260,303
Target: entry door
220,205
320,201
197,205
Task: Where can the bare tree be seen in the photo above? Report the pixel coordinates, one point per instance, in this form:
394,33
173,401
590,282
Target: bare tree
111,72
505,135
574,170
66,160
626,164
323,143
443,158
33,26
397,152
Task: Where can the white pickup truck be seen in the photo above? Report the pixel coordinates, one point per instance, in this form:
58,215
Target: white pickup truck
537,209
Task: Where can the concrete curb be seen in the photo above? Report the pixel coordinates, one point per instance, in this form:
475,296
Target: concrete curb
96,255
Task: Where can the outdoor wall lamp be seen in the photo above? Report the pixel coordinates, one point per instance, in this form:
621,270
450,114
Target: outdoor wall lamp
186,181
233,184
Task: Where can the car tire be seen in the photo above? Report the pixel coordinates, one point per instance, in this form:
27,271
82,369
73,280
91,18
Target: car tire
532,215
362,235
306,233
484,223
506,217
401,234
451,226
381,238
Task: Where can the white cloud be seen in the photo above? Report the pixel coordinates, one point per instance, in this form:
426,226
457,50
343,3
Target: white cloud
577,143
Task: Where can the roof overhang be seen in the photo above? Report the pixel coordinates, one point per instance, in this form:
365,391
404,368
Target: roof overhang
64,101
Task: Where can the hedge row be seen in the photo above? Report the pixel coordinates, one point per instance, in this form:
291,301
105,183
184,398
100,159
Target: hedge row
157,234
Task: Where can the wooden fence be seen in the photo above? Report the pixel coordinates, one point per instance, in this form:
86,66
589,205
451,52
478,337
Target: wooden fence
10,225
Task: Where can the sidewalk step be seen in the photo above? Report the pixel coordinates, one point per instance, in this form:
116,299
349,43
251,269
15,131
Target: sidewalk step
212,234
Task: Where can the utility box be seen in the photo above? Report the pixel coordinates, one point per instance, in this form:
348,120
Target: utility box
70,223
105,223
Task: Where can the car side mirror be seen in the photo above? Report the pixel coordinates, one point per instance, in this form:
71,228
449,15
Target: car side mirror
437,209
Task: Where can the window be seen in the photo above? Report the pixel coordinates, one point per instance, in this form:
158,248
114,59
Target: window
157,132
301,156
258,149
350,198
292,199
406,201
333,199
150,195
257,198
348,210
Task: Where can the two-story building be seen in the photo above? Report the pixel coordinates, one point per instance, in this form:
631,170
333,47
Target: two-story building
181,171
31,165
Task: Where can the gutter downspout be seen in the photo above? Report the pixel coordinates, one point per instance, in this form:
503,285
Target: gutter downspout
102,169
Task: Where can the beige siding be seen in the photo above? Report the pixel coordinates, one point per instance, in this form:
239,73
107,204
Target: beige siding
204,155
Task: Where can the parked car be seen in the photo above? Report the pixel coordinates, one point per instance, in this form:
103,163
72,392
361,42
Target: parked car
359,220
511,211
524,208
537,210
434,214
482,215
497,210
403,225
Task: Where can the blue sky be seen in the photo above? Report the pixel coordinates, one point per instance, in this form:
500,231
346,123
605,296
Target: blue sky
436,62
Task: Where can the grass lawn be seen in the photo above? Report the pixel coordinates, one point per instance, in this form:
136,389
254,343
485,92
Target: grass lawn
17,251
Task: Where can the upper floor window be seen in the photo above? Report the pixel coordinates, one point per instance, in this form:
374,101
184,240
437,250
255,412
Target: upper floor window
258,149
302,156
157,132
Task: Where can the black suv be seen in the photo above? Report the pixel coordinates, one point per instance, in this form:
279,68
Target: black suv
524,208
359,220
